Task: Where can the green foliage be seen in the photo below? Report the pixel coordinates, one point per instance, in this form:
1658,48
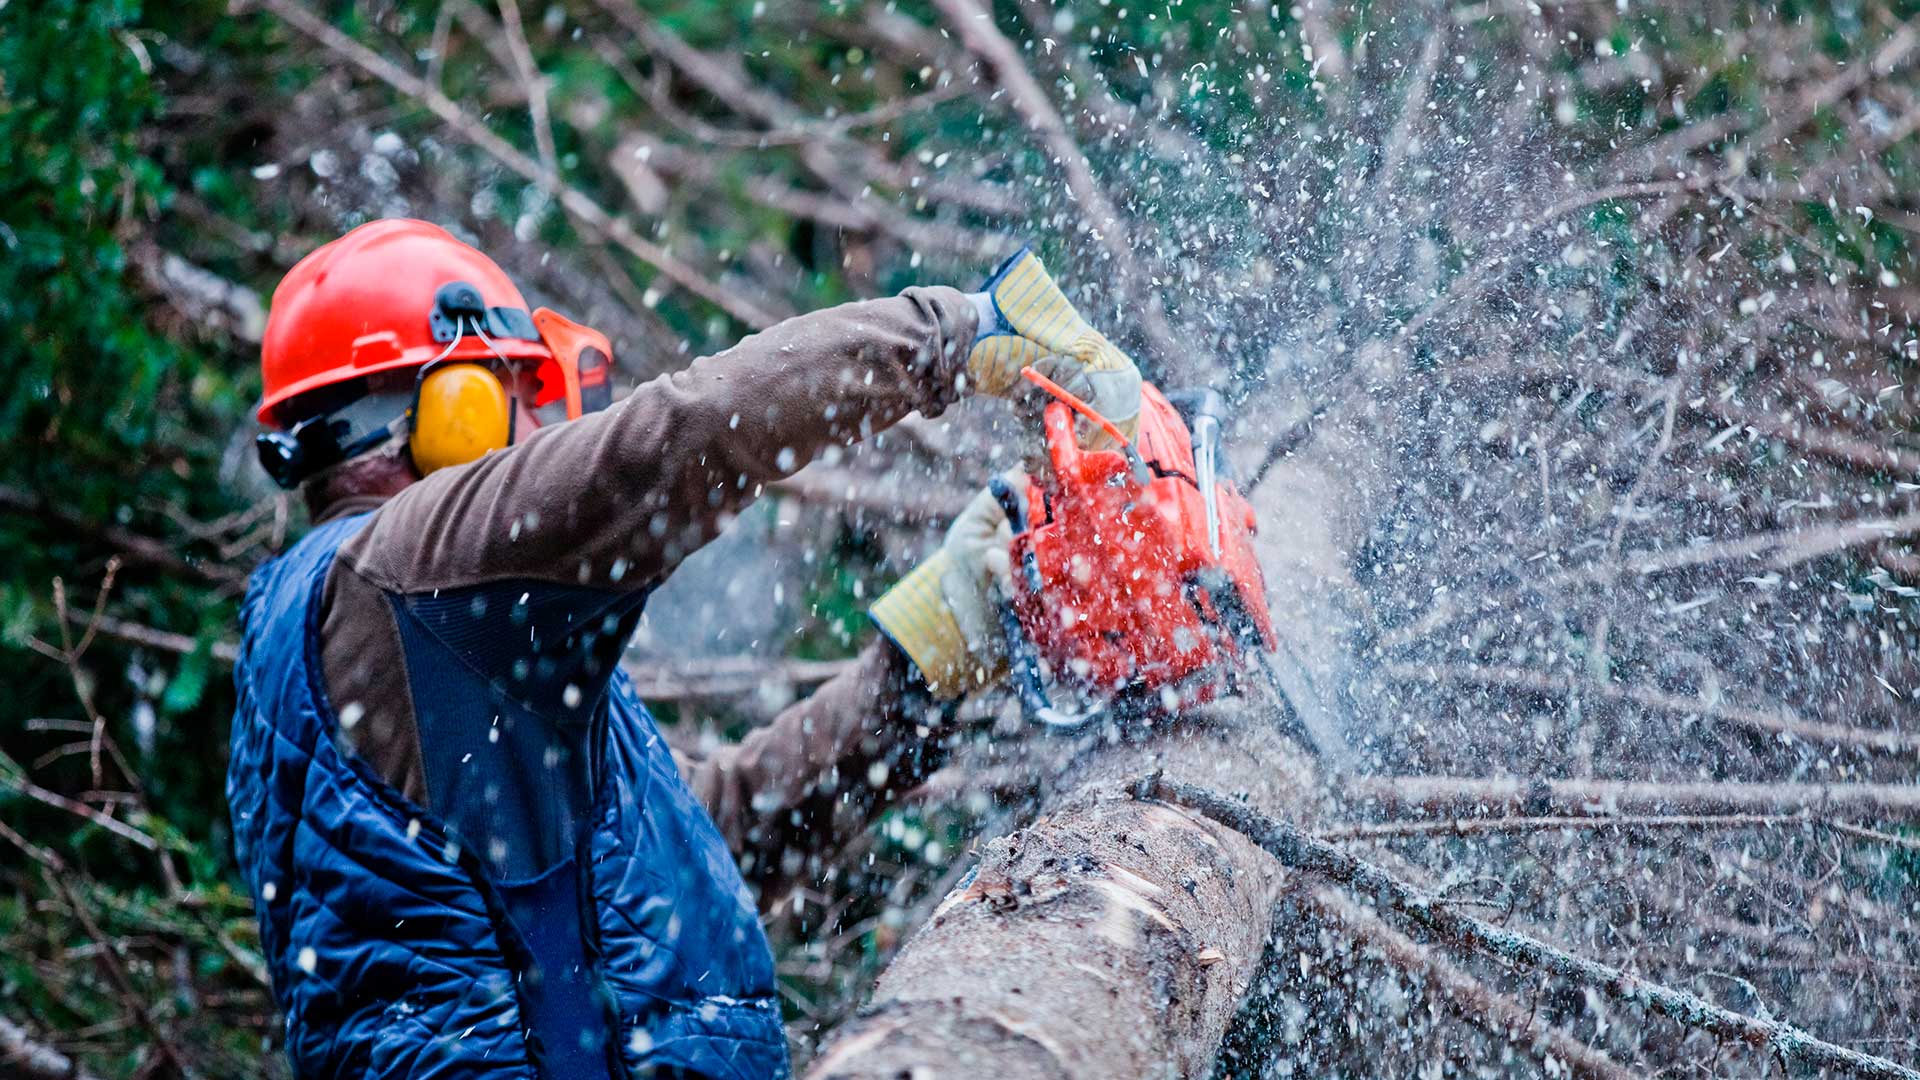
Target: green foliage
108,415
70,173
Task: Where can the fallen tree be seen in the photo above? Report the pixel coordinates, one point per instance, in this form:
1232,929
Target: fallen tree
1297,851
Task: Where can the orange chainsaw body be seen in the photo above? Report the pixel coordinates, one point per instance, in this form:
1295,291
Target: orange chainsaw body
1115,583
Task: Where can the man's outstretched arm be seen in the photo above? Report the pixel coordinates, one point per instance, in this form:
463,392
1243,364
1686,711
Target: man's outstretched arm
617,499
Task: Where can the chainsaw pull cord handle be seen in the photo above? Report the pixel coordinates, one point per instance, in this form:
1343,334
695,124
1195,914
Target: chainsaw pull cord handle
1021,658
1141,474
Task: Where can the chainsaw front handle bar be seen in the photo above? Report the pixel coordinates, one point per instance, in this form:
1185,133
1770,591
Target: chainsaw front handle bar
1023,661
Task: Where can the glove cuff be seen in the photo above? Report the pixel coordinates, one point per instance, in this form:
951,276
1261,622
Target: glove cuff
915,615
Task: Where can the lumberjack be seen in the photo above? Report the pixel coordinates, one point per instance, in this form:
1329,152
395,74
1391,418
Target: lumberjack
469,846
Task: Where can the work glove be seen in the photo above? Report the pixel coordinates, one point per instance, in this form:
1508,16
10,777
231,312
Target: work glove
945,615
1025,320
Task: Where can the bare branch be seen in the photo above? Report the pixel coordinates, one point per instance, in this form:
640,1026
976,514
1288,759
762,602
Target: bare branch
591,215
1787,547
1298,851
536,85
1474,1001
1464,827
978,33
1778,720
133,547
14,778
1459,796
134,633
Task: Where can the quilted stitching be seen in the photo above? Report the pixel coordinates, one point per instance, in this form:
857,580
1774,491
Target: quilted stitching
347,859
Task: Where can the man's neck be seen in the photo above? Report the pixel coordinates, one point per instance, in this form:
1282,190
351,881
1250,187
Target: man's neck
349,504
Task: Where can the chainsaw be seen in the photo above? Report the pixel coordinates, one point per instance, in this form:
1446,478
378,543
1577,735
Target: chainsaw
1134,582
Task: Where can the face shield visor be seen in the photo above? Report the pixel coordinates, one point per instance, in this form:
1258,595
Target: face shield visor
579,378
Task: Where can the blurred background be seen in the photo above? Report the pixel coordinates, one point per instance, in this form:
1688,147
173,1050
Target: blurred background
1622,296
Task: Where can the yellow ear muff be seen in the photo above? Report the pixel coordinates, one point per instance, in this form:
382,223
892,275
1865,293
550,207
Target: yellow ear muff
461,413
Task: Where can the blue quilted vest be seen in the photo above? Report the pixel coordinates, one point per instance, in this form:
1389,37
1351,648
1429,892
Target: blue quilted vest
396,951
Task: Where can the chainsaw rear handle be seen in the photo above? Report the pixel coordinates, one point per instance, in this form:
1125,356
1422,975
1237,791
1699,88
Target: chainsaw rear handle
1023,661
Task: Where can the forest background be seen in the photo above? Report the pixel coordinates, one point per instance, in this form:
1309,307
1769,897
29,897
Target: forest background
1649,265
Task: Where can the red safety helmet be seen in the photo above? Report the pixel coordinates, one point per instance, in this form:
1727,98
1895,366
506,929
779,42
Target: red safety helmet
373,301
403,295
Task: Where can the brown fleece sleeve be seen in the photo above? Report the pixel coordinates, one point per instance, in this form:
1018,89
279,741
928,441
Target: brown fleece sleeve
825,767
617,499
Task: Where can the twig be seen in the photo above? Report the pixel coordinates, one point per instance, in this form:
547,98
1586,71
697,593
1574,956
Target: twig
165,640
536,84
1293,438
1624,516
437,45
70,655
797,133
116,971
1463,827
1299,851
35,1059
976,29
863,214
1874,835
1777,721
1400,140
131,546
590,214
1457,796
11,777
1780,549
1866,455
1474,1000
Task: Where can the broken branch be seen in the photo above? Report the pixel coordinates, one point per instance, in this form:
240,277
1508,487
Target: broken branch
1459,796
1472,999
591,215
1299,851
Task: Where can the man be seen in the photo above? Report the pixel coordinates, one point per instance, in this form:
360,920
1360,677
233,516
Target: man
470,849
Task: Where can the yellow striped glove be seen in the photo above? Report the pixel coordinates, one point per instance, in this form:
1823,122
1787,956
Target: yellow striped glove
1026,320
945,614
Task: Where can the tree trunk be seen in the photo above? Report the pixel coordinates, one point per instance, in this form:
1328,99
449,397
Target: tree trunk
1112,937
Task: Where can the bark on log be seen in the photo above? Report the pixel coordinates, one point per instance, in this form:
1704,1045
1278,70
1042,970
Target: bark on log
1110,938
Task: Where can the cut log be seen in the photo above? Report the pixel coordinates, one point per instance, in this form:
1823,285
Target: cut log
1111,937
